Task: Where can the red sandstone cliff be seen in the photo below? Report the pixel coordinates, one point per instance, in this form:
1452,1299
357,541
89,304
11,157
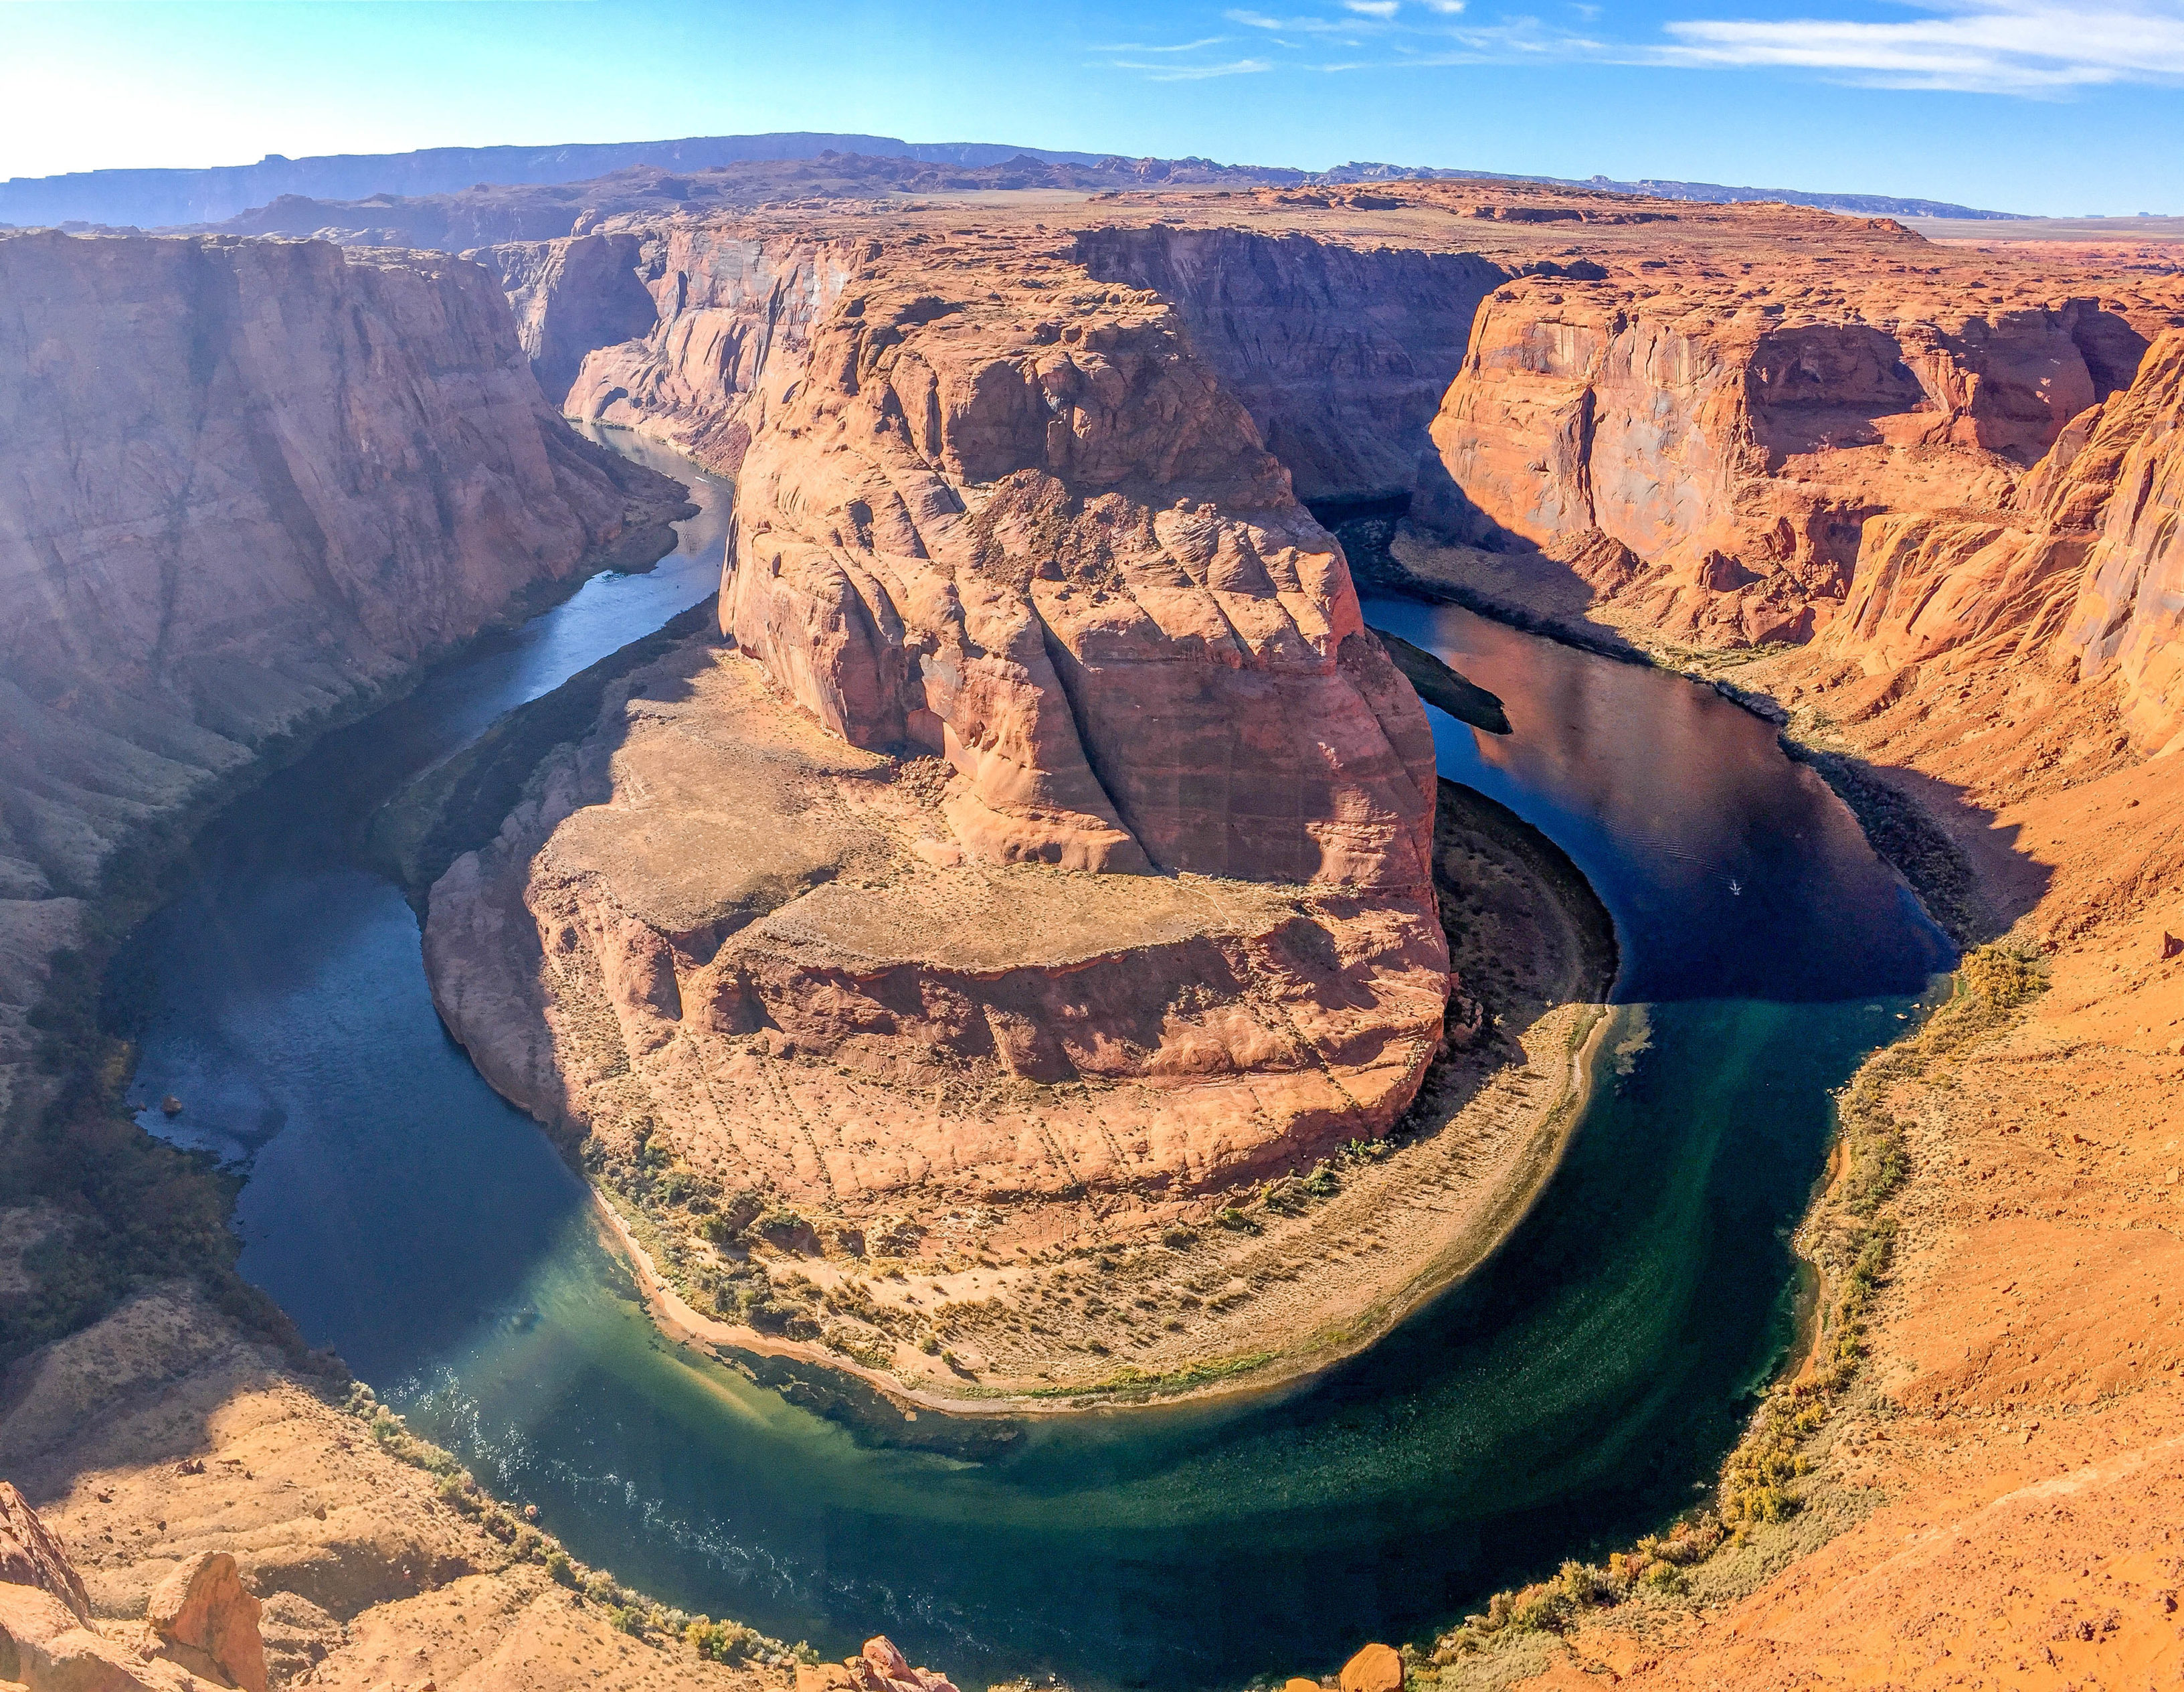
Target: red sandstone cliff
2130,612
247,484
1722,451
728,304
1042,541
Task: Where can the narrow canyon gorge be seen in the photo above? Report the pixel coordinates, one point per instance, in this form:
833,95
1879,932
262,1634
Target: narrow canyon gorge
1010,951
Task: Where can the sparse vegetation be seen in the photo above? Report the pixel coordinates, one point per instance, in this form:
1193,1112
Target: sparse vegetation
1850,1237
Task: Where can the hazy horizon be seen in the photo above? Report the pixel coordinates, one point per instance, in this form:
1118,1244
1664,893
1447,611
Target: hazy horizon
2014,105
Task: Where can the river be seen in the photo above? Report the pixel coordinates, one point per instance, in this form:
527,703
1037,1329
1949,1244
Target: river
1576,1391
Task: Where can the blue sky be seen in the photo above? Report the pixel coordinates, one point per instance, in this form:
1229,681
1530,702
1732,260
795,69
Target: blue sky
2018,104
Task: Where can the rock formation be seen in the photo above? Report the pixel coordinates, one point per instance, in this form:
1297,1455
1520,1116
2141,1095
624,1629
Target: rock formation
1015,592
1739,448
879,1668
2130,613
248,485
729,304
1048,546
1340,353
202,1626
202,1613
29,1555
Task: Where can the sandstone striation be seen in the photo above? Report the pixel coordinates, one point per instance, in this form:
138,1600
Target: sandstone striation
251,484
2130,613
1340,353
1737,449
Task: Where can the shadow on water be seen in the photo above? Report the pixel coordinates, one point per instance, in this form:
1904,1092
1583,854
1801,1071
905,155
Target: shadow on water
1576,1390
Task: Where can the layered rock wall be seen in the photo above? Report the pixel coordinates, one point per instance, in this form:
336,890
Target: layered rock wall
730,304
1340,353
2130,612
2080,570
1049,546
247,484
1732,450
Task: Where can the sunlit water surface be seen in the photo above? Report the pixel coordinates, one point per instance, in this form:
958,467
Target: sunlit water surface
1575,1392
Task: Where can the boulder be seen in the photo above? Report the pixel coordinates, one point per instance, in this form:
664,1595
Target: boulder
1377,1668
44,1648
880,1667
203,1609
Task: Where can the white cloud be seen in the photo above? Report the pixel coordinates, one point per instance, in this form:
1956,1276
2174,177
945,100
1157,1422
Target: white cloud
2032,48
1303,26
1171,72
1146,47
2020,46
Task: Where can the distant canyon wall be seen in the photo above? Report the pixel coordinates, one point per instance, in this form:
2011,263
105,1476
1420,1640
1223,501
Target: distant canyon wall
1340,353
2081,572
247,484
676,330
1734,449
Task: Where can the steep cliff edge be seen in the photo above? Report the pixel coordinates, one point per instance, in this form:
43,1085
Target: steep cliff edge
1710,457
249,484
1341,353
729,303
2130,613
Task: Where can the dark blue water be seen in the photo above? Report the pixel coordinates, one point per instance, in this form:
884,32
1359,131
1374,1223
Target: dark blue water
1577,1390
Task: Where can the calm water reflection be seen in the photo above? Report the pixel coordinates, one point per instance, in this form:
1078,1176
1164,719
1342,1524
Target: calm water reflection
1575,1391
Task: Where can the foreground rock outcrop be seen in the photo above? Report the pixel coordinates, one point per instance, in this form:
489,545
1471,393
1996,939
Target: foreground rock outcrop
249,484
200,1629
204,1519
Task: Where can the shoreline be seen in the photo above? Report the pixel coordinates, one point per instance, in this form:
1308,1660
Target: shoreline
1514,1201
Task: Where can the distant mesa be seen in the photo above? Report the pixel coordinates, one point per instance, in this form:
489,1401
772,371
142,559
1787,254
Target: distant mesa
170,199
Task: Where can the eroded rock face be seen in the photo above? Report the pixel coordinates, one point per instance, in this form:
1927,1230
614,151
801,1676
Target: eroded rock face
1054,552
1340,353
790,972
247,484
2130,613
730,304
29,1555
203,1610
1739,448
2079,571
